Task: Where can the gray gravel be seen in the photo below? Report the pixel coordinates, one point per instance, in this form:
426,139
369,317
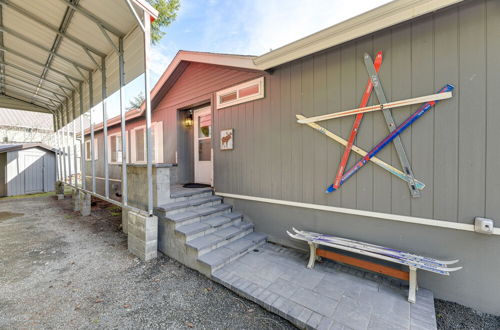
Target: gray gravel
60,270
451,315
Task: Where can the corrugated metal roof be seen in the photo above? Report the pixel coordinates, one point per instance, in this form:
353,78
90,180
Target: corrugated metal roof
46,45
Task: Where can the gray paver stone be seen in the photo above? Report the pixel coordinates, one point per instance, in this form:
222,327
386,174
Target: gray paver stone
325,323
304,317
352,313
313,321
314,301
269,300
378,323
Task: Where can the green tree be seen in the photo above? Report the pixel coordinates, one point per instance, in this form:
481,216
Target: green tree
136,102
167,12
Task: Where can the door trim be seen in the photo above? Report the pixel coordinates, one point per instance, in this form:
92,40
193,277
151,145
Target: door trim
197,112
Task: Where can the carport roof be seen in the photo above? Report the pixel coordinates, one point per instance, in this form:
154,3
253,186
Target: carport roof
48,48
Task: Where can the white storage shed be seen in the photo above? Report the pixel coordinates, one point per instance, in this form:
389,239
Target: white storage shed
26,169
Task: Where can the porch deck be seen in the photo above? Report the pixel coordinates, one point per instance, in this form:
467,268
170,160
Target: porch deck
330,296
177,190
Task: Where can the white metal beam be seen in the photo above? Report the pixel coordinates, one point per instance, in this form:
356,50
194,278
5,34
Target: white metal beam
50,26
19,68
94,18
30,83
45,66
29,91
39,46
147,93
12,102
134,13
121,72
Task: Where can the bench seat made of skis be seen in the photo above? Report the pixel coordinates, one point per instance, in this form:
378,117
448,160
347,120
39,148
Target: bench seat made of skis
413,261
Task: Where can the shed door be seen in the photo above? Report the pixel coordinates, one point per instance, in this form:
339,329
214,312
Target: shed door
33,173
203,166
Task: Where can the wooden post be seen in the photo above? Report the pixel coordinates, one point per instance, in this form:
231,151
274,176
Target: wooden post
312,254
413,285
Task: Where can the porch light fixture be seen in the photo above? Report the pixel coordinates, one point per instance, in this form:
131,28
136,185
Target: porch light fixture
188,121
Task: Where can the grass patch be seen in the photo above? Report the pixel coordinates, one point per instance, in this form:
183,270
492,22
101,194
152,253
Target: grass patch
50,193
114,210
67,191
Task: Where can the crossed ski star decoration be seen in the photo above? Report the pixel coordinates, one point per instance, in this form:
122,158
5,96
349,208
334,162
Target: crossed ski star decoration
394,131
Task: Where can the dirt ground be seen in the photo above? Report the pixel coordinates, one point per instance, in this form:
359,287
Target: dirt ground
59,270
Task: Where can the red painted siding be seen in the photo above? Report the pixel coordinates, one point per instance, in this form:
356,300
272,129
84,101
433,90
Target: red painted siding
196,85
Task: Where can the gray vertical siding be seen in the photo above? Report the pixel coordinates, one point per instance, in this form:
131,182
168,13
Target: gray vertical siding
492,204
3,168
451,148
15,184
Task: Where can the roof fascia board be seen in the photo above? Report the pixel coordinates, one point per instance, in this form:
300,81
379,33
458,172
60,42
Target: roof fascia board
374,20
244,62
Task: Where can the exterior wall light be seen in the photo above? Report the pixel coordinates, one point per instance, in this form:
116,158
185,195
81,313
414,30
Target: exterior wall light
188,121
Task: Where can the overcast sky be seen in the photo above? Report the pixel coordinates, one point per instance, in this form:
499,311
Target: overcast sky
241,27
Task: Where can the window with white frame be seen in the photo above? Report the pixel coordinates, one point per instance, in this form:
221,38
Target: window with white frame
115,147
138,143
88,154
248,91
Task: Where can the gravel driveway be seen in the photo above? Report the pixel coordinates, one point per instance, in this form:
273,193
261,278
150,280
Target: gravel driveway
60,270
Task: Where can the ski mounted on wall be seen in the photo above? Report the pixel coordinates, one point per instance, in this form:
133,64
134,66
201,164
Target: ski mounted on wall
383,107
403,159
391,169
376,248
355,125
394,134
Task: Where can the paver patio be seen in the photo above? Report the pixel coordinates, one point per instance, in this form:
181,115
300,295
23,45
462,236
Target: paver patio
330,296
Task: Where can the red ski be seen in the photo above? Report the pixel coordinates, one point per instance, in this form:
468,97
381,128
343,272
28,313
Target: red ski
354,131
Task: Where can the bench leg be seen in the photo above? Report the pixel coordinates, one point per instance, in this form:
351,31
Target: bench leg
312,254
413,285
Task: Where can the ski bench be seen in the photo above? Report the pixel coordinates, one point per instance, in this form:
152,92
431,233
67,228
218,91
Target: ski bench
413,261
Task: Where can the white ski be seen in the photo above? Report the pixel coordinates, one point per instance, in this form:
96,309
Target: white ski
362,153
389,105
377,249
438,270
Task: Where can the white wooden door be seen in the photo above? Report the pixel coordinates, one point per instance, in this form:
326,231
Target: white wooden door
203,155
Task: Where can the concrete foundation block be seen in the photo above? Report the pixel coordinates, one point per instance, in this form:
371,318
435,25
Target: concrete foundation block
76,200
125,220
60,188
60,196
85,204
142,233
137,184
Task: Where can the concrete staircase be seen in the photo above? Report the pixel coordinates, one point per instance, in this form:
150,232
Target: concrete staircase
202,232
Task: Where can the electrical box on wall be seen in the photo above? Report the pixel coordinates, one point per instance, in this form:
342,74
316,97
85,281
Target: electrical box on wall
483,225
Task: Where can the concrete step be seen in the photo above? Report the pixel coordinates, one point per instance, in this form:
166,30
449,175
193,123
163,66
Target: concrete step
196,215
189,204
182,194
220,237
223,255
208,225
